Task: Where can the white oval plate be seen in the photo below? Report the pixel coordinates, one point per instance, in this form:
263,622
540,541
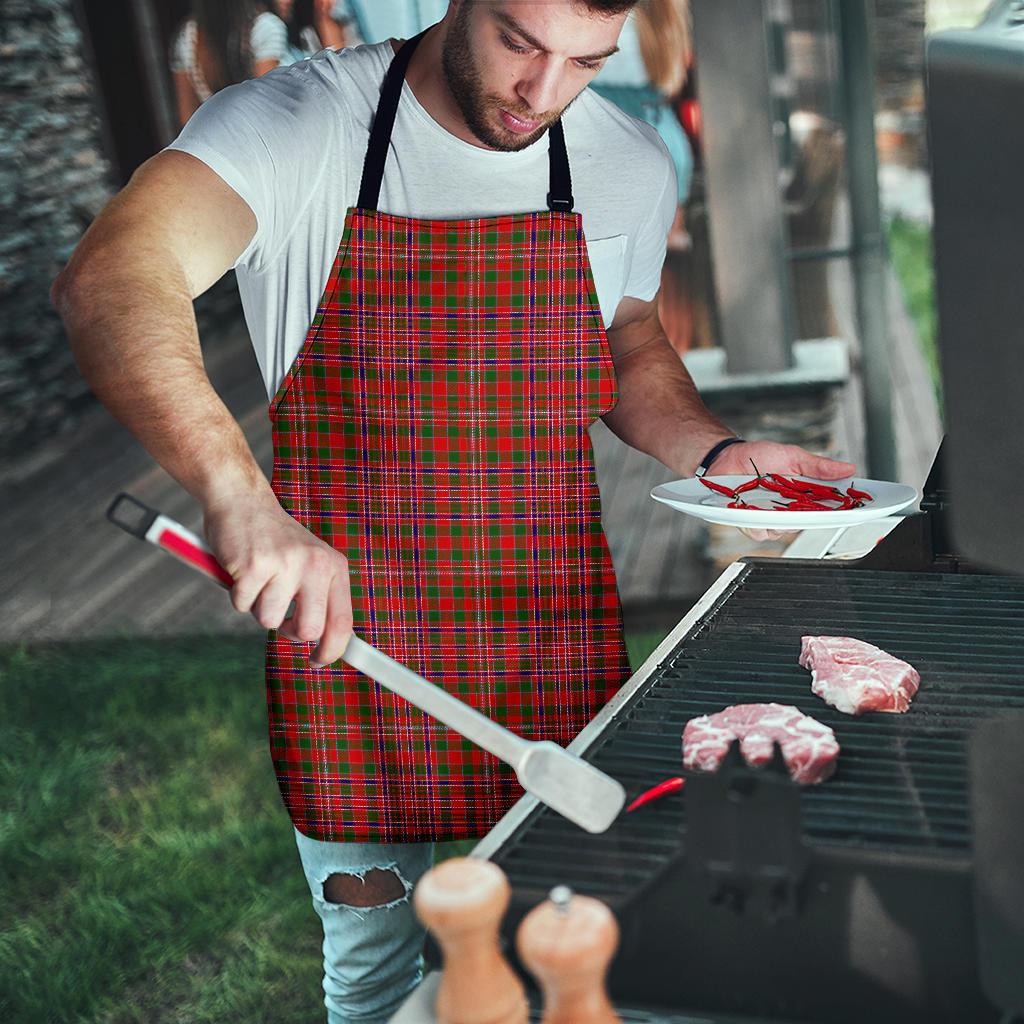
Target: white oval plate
693,498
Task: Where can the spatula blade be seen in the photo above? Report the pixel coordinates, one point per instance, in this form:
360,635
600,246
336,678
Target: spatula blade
571,786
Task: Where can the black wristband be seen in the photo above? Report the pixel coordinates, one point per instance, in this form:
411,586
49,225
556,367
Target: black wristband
705,463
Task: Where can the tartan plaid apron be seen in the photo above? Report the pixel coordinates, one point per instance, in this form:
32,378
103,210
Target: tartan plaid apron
433,428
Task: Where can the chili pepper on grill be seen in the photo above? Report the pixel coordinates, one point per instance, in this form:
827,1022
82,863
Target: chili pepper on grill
660,790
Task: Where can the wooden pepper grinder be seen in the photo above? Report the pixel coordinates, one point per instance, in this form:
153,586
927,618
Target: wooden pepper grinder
567,943
462,901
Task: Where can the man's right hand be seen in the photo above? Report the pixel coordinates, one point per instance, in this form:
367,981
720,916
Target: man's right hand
274,561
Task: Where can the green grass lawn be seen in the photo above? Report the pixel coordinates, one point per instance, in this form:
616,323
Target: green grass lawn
147,867
910,248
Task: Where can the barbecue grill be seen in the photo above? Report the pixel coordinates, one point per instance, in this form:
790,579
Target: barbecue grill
748,896
895,890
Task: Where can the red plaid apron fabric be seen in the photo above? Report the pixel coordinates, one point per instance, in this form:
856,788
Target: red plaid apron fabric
434,429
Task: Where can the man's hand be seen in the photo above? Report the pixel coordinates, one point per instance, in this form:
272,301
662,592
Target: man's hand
771,457
274,560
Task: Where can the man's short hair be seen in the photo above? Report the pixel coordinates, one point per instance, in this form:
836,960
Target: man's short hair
608,7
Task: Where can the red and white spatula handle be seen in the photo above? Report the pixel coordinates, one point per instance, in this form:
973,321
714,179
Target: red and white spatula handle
562,780
147,524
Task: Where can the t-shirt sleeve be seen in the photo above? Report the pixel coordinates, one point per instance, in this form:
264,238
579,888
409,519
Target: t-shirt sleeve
269,38
652,238
269,139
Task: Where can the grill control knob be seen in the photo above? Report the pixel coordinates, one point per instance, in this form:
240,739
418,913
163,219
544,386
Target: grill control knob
462,901
567,942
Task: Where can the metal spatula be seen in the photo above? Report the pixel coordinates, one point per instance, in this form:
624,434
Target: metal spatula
567,784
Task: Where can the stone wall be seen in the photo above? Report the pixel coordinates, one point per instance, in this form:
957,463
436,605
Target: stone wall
54,178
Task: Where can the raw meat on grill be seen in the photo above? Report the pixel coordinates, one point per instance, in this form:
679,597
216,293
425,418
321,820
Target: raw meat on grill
855,677
808,747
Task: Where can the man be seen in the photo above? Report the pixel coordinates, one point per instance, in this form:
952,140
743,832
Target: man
432,377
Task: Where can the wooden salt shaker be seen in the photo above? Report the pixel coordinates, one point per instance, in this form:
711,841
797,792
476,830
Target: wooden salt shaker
567,942
462,901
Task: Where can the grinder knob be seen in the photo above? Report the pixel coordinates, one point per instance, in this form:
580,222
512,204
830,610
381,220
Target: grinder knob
462,901
567,943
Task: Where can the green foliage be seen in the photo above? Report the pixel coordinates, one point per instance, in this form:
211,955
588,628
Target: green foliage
150,873
910,248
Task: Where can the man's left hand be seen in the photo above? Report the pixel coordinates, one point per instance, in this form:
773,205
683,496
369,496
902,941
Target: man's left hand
771,457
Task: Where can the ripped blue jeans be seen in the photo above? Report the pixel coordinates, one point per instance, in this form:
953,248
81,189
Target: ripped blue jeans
373,956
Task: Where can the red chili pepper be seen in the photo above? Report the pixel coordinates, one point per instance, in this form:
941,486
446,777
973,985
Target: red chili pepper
720,488
787,492
862,495
750,485
809,487
660,790
807,506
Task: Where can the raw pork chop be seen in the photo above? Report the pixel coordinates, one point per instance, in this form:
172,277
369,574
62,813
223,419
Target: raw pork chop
808,747
855,677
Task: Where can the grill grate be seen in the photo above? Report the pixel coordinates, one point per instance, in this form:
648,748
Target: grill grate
639,1015
901,785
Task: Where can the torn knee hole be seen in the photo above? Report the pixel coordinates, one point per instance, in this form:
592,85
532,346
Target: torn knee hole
373,889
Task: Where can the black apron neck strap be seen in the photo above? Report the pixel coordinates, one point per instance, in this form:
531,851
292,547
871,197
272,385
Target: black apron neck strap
559,187
383,122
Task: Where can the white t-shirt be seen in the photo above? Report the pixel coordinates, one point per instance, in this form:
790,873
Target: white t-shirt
292,144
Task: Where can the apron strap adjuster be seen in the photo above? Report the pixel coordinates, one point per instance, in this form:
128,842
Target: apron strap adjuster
558,205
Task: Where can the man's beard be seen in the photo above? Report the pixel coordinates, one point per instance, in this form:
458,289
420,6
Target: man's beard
466,86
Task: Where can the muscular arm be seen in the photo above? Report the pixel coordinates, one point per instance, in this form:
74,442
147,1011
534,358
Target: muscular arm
126,301
659,410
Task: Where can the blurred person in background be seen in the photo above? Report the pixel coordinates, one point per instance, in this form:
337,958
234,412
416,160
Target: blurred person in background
645,78
221,43
647,75
314,25
373,21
